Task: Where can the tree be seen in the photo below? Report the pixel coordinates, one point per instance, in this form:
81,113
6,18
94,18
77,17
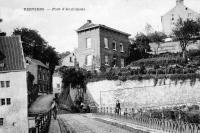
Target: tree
157,37
37,47
134,53
148,28
73,78
50,56
142,44
186,32
2,33
138,48
32,42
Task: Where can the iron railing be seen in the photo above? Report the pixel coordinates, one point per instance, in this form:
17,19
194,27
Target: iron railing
152,123
42,122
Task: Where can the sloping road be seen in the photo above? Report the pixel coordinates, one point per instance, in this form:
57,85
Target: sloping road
78,123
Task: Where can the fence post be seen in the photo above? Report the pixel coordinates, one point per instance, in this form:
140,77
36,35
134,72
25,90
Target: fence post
133,111
125,113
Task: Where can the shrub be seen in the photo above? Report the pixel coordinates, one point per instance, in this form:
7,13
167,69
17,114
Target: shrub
74,109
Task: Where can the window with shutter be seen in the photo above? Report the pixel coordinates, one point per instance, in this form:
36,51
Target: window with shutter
89,60
88,43
1,121
106,60
106,42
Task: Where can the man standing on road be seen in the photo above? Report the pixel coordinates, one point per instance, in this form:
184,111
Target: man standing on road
118,107
54,108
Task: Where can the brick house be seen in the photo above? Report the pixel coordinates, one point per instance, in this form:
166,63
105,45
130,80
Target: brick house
41,74
13,86
101,46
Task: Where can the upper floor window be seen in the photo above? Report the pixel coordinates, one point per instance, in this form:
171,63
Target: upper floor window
43,76
70,59
7,83
106,60
3,102
106,42
122,62
121,47
1,121
189,14
58,85
114,61
39,75
88,43
4,84
8,101
172,17
114,45
88,60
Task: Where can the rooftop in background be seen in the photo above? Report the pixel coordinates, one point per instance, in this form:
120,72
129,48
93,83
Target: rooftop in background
90,25
36,62
11,54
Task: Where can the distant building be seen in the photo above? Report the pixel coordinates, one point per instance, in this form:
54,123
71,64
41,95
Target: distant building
70,60
101,46
57,81
13,87
179,11
41,75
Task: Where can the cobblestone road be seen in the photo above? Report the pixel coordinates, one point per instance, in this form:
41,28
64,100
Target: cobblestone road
82,124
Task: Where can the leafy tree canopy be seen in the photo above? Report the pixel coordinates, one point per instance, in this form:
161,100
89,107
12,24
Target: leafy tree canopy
139,47
35,46
186,32
32,42
157,37
142,42
76,78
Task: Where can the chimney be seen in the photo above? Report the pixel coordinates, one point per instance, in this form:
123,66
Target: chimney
89,21
179,2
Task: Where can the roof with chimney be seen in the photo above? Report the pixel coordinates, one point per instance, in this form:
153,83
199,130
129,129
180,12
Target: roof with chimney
90,25
180,5
11,54
36,62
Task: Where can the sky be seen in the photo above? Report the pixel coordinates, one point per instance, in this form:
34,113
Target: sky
58,28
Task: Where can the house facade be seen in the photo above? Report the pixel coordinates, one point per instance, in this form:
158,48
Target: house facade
70,60
101,46
13,87
41,74
179,11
